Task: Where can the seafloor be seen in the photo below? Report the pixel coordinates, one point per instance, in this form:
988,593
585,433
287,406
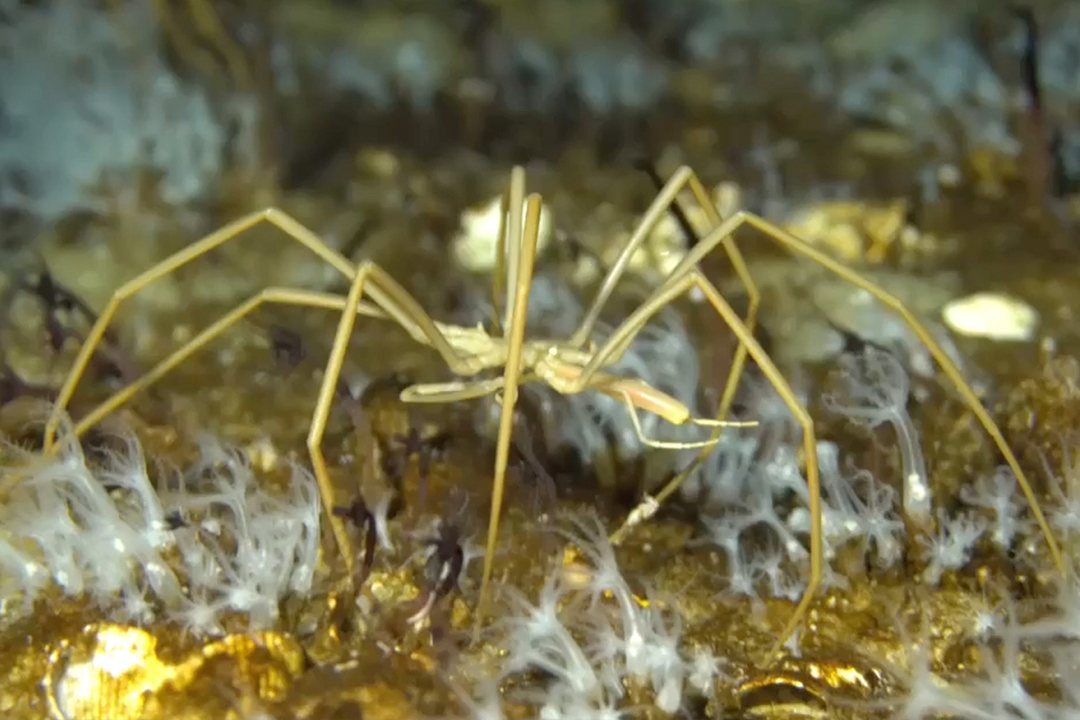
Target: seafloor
174,562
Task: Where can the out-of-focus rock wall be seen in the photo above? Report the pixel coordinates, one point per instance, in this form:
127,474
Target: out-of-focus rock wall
90,92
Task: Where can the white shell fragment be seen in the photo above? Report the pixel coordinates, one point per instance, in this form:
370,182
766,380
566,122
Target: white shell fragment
476,243
994,316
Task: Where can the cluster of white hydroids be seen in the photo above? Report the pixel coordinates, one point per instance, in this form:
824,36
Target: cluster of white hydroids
189,547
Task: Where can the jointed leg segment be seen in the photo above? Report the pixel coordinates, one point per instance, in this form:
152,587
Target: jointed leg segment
689,278
390,301
686,275
219,237
271,295
521,270
804,249
667,200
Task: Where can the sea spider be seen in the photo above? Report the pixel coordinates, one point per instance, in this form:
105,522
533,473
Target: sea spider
568,366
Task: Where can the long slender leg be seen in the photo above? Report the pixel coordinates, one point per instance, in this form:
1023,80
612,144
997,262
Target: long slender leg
738,361
510,243
674,286
687,269
668,198
804,249
652,216
394,301
275,217
509,215
633,324
323,405
512,374
391,302
271,295
753,295
678,285
813,482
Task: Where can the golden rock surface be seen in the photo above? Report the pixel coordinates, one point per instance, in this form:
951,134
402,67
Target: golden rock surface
341,655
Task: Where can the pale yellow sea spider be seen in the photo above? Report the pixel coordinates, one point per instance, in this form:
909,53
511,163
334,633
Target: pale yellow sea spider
570,366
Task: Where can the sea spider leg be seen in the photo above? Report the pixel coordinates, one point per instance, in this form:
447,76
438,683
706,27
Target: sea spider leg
508,249
508,384
668,199
522,274
388,297
682,280
273,216
753,295
804,249
687,275
271,295
391,301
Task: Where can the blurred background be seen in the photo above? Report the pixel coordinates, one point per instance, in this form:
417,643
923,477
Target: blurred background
192,103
